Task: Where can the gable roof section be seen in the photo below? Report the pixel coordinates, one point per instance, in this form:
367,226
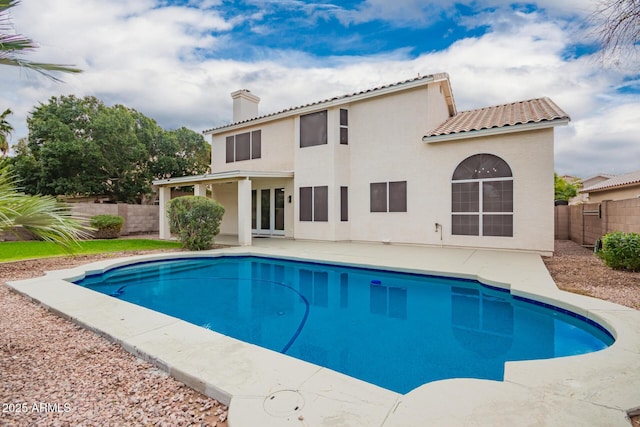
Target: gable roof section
624,180
343,99
539,112
600,175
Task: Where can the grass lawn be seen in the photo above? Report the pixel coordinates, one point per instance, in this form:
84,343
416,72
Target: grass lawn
15,251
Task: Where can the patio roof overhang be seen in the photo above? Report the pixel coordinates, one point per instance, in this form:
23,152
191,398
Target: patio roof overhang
219,177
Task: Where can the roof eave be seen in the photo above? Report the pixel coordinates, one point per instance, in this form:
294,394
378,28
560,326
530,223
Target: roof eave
297,111
495,131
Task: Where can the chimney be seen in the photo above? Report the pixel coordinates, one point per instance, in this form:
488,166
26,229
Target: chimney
245,105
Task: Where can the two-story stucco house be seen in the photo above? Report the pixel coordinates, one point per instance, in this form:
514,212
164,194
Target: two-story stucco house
397,163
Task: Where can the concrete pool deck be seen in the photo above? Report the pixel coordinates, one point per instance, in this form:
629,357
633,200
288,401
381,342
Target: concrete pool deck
265,388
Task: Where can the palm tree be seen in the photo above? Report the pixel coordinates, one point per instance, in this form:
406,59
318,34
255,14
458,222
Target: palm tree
43,216
13,45
5,131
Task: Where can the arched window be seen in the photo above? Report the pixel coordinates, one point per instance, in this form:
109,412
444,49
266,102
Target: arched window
482,197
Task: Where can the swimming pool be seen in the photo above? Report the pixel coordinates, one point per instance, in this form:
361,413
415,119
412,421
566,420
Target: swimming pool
395,330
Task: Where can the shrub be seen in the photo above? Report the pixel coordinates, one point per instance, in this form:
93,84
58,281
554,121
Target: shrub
196,220
107,226
621,251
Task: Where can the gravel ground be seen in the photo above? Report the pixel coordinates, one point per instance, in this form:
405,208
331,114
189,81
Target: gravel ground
56,373
577,269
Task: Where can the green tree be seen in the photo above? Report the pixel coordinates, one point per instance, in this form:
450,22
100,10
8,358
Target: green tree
124,156
13,46
179,152
564,190
43,216
5,132
62,145
25,167
81,147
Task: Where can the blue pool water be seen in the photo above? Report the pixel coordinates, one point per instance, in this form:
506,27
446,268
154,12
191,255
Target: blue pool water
395,330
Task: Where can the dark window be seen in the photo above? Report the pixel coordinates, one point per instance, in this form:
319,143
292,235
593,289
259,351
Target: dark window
279,208
482,166
465,197
344,126
344,203
265,209
314,203
256,144
231,152
389,196
344,117
378,197
344,136
497,196
306,203
313,129
398,196
482,197
465,225
320,203
243,146
254,209
497,225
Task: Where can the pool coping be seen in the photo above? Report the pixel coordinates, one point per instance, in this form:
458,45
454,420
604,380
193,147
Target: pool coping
264,388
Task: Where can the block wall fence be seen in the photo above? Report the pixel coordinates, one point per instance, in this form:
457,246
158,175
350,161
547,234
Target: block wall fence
586,223
138,219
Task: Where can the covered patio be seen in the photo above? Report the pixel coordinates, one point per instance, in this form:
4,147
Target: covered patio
255,202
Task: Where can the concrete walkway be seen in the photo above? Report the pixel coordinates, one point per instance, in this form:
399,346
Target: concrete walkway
265,388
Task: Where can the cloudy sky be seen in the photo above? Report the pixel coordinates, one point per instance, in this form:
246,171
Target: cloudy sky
178,61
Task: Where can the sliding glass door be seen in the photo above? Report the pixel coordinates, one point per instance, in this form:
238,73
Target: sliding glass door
267,212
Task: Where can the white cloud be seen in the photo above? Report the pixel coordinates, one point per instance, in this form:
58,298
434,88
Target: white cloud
422,12
143,57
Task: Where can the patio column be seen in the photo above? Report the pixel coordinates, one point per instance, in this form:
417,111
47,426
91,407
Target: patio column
165,196
244,212
200,190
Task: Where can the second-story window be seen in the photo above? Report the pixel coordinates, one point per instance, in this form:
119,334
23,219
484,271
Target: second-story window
244,146
313,129
344,126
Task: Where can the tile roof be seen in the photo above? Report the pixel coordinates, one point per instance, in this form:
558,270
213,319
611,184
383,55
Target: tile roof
499,116
616,181
428,78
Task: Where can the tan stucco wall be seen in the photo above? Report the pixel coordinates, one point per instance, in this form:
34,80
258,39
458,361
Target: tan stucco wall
385,144
276,149
227,195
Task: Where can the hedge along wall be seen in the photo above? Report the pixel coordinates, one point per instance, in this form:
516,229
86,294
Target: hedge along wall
138,219
586,223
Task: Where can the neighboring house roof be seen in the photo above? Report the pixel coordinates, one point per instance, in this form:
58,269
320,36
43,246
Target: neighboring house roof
600,175
533,111
343,99
617,181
